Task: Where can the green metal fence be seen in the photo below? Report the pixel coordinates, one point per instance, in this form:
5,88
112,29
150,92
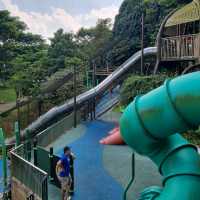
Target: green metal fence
47,161
43,159
49,135
29,175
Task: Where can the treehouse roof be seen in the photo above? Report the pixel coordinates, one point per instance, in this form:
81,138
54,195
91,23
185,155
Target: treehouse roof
188,13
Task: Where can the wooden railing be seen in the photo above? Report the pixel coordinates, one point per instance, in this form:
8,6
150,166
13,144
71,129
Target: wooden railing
184,47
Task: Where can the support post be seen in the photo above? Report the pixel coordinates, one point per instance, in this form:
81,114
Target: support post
72,174
85,112
28,145
142,45
18,111
132,177
87,79
28,112
90,110
75,106
17,134
51,164
94,75
40,107
35,152
4,156
94,108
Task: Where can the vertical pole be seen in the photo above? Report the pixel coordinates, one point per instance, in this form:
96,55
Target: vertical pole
87,79
90,110
35,152
17,134
4,155
28,145
84,112
94,108
142,45
72,174
39,107
107,66
18,112
94,75
132,177
28,112
75,106
51,164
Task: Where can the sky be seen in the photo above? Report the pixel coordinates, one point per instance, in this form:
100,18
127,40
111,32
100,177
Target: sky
44,17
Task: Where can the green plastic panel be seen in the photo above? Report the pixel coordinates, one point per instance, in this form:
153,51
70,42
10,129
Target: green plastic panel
43,161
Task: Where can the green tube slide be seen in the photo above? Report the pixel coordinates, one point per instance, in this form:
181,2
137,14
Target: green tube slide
151,125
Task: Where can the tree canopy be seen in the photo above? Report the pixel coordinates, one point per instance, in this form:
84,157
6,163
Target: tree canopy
26,60
126,35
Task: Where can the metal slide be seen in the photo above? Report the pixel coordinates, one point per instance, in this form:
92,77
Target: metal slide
150,125
46,119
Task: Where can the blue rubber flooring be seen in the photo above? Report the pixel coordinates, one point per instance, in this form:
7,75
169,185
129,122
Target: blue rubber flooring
92,182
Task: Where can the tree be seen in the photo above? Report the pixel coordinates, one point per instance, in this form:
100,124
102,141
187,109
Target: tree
92,42
19,51
10,27
30,70
62,45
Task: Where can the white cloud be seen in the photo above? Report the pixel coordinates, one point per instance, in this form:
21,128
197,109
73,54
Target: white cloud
46,24
91,18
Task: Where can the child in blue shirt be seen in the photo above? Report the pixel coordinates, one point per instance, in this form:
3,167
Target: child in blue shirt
63,172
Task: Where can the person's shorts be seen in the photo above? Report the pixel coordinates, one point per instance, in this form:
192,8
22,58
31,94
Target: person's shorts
65,183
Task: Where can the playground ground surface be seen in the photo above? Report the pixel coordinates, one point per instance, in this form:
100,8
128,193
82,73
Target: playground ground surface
102,172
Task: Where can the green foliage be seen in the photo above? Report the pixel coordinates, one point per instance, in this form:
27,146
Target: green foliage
138,85
21,55
10,27
26,61
29,70
7,95
193,137
93,42
62,45
126,38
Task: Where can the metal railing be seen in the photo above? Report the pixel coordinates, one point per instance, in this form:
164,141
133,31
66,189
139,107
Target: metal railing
180,47
50,134
27,174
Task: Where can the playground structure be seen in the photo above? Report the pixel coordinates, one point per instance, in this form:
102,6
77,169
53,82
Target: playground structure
88,100
150,125
177,44
92,100
177,102
178,40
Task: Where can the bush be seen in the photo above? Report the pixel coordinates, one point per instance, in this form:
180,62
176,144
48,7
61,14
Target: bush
193,137
138,85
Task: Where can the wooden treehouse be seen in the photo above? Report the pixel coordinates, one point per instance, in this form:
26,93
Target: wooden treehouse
178,40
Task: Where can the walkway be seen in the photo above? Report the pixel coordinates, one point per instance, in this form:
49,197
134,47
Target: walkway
92,181
103,171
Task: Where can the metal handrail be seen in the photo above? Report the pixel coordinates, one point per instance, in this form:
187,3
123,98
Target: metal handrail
180,47
37,179
179,36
